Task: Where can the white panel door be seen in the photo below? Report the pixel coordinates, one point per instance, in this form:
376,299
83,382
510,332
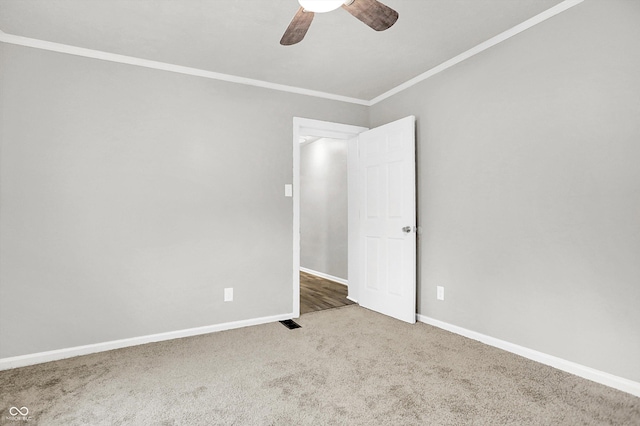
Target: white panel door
388,219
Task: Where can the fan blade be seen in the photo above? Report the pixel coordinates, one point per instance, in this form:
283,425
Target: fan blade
298,27
373,13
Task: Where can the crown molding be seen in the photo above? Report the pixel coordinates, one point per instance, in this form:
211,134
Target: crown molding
164,66
551,12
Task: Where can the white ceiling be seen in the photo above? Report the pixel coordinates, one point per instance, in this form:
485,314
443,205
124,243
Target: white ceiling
339,55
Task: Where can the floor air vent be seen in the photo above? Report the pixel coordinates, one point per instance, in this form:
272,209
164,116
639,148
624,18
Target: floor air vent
290,324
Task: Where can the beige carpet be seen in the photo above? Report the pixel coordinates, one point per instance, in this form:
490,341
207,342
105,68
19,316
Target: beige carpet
345,366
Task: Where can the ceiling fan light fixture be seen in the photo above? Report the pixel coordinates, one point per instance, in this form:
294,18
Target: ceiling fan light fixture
320,6
374,14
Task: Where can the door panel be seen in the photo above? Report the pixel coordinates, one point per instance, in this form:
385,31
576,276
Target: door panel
387,161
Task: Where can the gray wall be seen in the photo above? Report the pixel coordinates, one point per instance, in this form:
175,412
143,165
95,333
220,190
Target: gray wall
323,207
529,187
131,197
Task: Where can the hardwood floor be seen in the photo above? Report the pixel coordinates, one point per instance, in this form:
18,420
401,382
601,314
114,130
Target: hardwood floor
318,294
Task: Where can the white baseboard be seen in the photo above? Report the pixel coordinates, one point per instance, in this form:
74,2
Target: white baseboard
352,299
588,373
38,358
325,276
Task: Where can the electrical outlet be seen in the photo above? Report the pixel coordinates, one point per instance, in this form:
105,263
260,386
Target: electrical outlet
440,292
228,294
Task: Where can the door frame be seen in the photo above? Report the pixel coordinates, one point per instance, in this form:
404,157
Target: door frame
325,129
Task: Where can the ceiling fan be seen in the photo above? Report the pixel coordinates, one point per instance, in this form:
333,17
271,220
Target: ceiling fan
373,13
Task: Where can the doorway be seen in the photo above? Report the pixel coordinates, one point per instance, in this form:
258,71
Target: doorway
382,228
313,131
323,224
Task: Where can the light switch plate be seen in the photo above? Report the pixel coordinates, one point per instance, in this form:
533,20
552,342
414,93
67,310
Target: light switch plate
288,190
440,292
228,294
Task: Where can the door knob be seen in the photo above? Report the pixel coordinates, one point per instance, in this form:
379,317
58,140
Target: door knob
407,229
